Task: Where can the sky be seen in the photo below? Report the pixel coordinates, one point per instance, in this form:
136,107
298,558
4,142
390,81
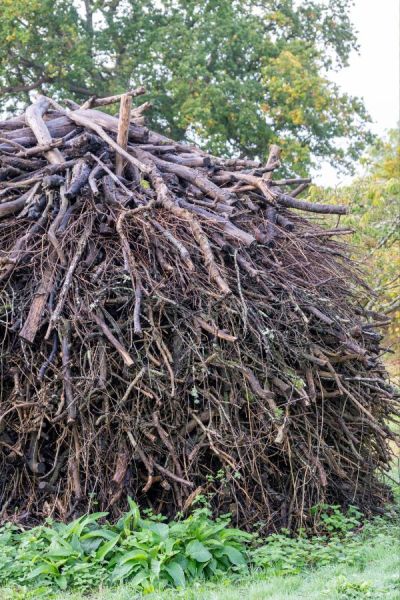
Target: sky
373,74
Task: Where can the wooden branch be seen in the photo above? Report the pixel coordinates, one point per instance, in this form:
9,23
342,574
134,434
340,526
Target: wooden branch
193,176
271,215
266,395
13,206
138,111
32,323
171,475
113,340
66,371
93,101
86,120
24,87
52,231
299,189
68,279
34,118
294,181
331,209
256,182
274,160
123,130
284,222
40,149
213,329
229,228
131,266
79,177
163,197
180,247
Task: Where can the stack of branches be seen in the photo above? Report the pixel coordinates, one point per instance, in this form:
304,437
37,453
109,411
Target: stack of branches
172,325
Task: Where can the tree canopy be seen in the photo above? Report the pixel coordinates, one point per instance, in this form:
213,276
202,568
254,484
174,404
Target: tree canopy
234,75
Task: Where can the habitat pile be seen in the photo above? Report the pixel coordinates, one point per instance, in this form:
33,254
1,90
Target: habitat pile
176,326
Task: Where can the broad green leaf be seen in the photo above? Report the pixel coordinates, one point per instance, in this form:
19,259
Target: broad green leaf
160,529
155,566
198,552
123,571
62,582
77,526
90,546
135,555
235,557
235,533
138,579
99,533
175,570
45,569
106,548
56,553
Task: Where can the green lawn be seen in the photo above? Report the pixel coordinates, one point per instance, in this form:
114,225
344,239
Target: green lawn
376,575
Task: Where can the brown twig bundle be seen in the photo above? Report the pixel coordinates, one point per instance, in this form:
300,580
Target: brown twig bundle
172,324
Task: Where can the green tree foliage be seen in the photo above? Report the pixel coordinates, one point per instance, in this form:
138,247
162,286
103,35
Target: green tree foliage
236,75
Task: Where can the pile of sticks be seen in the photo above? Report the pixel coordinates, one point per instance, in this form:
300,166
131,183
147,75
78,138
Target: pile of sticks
172,325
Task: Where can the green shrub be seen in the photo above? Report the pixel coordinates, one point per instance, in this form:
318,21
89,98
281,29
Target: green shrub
151,555
284,555
147,552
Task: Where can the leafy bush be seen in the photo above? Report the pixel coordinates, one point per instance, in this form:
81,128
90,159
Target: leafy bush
152,555
352,590
147,552
284,555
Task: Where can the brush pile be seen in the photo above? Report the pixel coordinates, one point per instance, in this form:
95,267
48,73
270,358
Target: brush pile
172,325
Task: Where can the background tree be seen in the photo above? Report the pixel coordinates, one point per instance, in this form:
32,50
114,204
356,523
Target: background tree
233,74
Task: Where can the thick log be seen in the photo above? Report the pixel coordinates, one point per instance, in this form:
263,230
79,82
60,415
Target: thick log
327,209
108,122
34,118
229,228
79,178
195,178
13,206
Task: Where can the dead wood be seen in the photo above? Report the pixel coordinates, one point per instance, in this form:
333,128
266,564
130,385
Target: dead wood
165,314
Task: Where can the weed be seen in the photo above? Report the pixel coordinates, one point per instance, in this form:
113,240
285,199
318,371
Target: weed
353,590
284,555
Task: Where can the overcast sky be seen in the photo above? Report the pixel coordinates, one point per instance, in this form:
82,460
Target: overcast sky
373,74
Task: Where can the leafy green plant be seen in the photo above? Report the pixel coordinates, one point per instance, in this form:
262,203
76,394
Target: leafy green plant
352,590
151,554
333,520
147,552
284,555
